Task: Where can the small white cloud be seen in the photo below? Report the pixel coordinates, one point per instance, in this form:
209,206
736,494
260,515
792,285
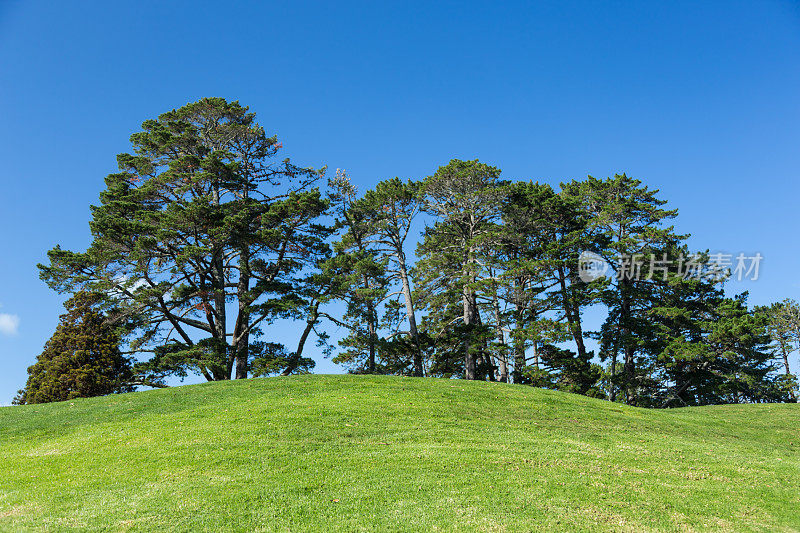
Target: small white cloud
9,324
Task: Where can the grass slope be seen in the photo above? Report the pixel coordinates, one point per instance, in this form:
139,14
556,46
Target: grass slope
346,453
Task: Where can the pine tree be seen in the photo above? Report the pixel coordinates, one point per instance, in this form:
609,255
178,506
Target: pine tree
465,196
389,211
629,219
81,359
740,355
544,233
564,370
361,276
784,328
672,334
200,223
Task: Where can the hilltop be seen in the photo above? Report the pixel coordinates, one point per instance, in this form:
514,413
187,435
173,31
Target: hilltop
349,453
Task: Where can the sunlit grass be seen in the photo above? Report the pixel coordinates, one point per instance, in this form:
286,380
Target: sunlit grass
346,453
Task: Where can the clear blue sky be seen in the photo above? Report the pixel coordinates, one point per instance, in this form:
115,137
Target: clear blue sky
702,101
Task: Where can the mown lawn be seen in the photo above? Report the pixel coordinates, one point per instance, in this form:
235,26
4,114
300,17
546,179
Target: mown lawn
350,453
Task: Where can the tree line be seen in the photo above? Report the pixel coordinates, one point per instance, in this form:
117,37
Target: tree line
206,239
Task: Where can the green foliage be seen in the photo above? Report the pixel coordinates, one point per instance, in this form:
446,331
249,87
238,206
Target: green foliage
271,358
360,274
784,329
565,371
202,221
465,197
389,211
205,238
81,359
729,361
627,220
544,233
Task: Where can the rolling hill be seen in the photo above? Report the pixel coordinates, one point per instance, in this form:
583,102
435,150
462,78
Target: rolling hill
353,453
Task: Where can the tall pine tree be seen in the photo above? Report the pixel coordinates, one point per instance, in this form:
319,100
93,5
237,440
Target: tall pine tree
203,236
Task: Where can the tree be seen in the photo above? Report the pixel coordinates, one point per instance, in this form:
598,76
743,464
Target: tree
740,354
81,359
465,196
733,363
563,370
544,233
389,211
202,238
784,328
701,347
360,274
317,289
629,219
672,334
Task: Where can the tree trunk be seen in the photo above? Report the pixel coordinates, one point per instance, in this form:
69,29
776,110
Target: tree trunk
372,334
786,366
572,314
411,314
628,348
519,360
294,360
469,358
785,360
519,324
220,316
242,355
243,317
484,362
503,366
503,369
243,320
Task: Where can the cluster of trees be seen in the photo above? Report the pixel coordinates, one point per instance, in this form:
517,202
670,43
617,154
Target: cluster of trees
205,240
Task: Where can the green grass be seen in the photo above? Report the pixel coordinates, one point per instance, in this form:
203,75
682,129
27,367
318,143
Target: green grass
347,453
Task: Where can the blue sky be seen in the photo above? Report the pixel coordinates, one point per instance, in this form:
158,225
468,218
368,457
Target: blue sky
701,101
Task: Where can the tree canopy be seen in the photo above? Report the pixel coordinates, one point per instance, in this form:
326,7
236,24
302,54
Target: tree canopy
202,238
205,239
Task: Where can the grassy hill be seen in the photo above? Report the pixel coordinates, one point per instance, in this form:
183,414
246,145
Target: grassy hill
347,453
